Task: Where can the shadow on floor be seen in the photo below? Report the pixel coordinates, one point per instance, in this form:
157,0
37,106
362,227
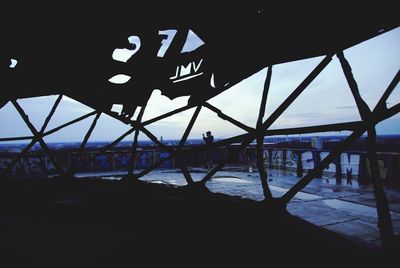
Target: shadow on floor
96,223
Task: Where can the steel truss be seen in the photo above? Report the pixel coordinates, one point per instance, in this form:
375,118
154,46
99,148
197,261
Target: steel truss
368,122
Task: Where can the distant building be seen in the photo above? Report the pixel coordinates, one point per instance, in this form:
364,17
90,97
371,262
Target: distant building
316,142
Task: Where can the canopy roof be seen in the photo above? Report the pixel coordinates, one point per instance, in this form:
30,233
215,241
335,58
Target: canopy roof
68,49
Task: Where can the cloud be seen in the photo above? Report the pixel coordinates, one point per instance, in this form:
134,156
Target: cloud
346,107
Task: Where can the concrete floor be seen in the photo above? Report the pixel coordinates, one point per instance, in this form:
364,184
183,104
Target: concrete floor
104,223
347,210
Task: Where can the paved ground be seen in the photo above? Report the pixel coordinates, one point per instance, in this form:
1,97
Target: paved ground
100,223
348,210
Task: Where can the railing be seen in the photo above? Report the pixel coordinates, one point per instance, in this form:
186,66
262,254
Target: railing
351,163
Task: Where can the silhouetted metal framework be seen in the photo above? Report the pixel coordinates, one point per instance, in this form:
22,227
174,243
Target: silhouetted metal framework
368,122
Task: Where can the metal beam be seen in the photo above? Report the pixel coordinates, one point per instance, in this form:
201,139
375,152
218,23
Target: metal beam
158,118
17,138
260,138
69,123
83,144
51,113
292,97
135,143
38,136
323,164
223,116
382,101
382,207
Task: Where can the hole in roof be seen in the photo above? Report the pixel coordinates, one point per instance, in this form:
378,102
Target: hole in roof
212,82
136,113
117,108
13,63
193,42
168,36
124,54
119,79
159,104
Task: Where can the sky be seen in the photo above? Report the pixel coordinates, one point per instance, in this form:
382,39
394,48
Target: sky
326,100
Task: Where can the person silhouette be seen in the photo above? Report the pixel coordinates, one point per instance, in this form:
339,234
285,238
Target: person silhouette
208,140
349,176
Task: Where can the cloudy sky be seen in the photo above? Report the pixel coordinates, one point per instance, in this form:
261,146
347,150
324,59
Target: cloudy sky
327,100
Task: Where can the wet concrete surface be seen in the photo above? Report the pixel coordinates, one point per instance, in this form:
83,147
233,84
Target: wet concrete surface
346,209
107,223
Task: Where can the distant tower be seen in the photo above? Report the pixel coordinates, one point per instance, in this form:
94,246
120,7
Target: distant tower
161,140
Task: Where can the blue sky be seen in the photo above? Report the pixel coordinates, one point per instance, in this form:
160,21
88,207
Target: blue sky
326,100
